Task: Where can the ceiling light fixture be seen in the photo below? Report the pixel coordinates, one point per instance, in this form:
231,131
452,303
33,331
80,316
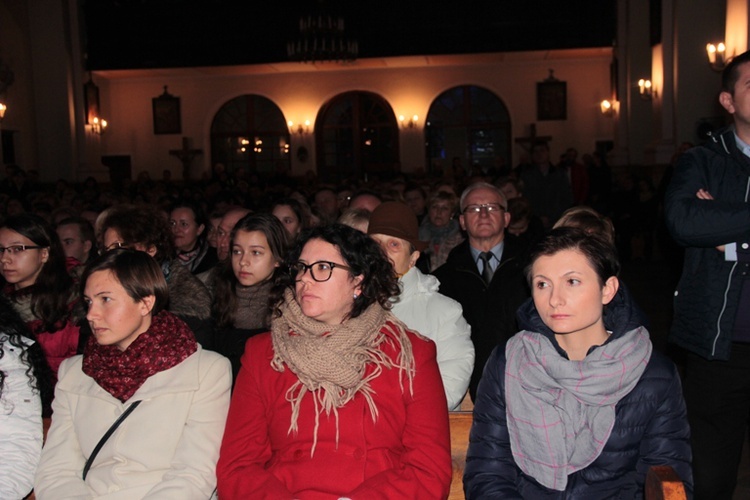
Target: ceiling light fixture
322,40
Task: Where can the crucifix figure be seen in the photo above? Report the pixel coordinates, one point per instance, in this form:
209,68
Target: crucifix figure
528,142
186,156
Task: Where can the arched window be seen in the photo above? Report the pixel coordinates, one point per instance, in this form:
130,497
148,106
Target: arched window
470,123
357,136
250,132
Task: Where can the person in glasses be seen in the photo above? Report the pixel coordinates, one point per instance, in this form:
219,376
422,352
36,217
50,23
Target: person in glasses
145,228
38,284
485,273
242,286
340,399
145,360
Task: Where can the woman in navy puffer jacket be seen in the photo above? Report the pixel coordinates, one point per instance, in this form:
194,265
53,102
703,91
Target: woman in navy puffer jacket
577,405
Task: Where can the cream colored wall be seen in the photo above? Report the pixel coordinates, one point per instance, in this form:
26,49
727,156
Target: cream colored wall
410,88
738,12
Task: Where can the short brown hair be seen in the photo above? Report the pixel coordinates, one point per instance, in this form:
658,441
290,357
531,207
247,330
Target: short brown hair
137,272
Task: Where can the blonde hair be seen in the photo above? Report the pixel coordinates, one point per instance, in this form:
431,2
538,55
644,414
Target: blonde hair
589,220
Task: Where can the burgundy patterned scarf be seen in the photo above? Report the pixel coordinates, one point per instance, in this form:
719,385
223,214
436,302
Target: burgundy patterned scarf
165,344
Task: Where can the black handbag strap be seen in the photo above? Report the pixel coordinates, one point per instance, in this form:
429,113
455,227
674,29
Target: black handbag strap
106,436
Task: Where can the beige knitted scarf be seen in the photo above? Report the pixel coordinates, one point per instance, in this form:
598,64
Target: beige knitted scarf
331,362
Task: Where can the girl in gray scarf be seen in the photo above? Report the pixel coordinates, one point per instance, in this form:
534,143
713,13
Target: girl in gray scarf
577,404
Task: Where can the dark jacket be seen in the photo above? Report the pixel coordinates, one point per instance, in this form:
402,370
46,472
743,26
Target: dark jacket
189,300
489,310
650,428
207,261
708,293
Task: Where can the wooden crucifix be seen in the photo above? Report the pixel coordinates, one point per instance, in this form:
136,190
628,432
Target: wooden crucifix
528,142
186,156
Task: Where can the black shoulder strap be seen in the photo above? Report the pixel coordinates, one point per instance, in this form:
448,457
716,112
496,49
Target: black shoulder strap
106,436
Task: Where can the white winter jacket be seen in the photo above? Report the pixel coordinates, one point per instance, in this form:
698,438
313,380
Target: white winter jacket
423,309
167,448
20,425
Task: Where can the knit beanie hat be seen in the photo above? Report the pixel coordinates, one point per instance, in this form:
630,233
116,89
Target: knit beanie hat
394,218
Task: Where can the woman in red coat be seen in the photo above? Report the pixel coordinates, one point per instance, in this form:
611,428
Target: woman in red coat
339,400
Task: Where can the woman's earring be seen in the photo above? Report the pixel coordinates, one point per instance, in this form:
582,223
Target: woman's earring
355,296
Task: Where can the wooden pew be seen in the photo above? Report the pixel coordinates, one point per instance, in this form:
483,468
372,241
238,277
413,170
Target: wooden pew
460,425
663,483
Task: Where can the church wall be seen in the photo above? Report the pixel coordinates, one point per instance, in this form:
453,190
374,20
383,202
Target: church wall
407,84
15,51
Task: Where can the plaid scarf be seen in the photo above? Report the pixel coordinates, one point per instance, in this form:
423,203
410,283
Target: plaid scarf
561,412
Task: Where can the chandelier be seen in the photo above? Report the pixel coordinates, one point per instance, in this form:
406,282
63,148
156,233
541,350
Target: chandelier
322,39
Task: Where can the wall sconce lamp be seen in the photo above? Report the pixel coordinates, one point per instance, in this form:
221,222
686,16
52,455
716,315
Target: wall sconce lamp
300,128
645,88
717,56
98,126
608,107
3,108
408,124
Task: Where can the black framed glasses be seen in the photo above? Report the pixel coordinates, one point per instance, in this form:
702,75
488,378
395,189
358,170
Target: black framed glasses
18,249
116,244
319,271
490,208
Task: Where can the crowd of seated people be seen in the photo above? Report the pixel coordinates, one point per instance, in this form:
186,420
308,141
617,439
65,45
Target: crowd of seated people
344,320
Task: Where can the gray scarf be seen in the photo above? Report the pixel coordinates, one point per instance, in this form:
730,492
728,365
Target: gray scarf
560,412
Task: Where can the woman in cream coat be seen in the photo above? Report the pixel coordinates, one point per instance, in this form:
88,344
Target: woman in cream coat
169,445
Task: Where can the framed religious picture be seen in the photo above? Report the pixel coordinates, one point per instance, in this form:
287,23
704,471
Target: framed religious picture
551,99
167,114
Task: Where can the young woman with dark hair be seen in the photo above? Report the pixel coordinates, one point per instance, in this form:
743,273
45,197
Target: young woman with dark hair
258,245
577,404
24,383
38,284
143,367
291,214
339,399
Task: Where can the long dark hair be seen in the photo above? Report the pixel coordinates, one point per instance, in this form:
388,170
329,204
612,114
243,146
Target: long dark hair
15,333
51,291
361,253
224,307
295,206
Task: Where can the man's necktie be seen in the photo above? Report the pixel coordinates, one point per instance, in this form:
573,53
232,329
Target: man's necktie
487,271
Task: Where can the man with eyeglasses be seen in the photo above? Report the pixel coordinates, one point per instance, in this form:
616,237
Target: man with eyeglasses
485,273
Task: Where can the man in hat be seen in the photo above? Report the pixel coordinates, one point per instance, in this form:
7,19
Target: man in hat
394,226
485,273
